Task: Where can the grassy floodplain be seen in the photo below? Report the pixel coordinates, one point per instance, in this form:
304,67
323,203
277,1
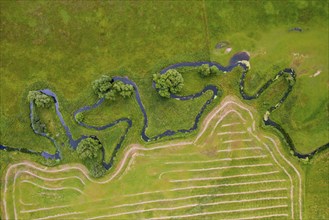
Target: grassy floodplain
65,45
229,170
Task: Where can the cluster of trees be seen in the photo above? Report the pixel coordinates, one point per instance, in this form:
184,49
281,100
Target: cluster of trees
125,90
206,70
105,87
89,151
89,148
40,99
170,82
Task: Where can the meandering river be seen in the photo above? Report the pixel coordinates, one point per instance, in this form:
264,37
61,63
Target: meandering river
235,61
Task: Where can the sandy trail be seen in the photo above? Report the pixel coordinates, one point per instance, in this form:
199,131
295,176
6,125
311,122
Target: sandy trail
51,179
53,188
231,132
215,168
223,177
240,149
238,140
231,124
297,172
208,186
216,160
219,212
285,171
172,190
195,205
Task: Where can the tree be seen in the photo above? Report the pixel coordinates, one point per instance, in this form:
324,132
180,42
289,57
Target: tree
88,148
170,82
106,88
110,95
40,99
103,86
97,170
204,70
215,71
125,90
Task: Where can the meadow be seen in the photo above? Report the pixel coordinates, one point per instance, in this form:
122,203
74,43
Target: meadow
64,46
229,170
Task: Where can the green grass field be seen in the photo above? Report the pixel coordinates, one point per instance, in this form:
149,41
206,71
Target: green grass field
64,46
229,170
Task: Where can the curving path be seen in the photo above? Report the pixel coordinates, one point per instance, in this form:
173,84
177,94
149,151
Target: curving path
235,61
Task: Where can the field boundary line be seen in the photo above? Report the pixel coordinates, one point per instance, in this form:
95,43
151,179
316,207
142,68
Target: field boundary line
53,189
223,117
223,177
206,186
23,203
131,161
200,196
238,140
219,212
13,166
216,168
51,179
45,208
258,217
205,20
226,101
231,124
295,169
167,200
60,215
284,170
216,160
231,132
182,207
238,149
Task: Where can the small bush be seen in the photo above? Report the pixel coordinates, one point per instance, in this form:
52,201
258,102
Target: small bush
97,170
89,148
215,71
205,70
103,86
40,99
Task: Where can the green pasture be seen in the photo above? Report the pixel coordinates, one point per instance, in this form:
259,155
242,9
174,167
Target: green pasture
262,30
47,41
316,189
117,198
